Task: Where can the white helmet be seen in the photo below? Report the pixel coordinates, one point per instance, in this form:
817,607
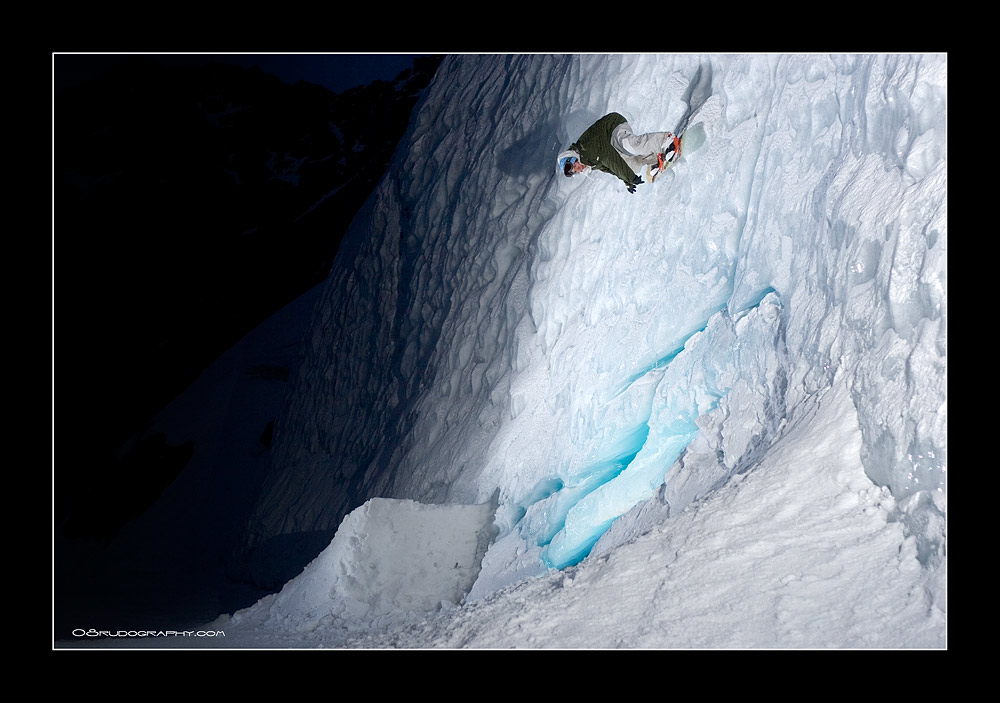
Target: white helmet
565,161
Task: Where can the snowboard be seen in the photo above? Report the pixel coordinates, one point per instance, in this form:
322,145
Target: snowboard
691,139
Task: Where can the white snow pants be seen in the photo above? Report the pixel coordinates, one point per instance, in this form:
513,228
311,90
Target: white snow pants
639,150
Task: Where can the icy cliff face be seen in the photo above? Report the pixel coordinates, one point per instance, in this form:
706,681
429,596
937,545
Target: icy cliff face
594,354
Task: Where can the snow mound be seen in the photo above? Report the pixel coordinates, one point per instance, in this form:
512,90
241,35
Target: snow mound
389,557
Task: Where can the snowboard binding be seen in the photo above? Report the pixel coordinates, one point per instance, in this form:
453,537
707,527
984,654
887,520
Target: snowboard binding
671,154
667,157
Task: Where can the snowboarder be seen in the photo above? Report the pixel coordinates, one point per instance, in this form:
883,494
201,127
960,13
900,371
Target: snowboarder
611,146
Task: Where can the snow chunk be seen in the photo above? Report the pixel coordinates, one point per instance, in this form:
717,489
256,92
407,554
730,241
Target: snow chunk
388,557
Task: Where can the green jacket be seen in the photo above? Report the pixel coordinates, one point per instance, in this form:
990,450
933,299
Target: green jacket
595,150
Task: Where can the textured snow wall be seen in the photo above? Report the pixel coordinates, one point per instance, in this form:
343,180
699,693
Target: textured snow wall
589,353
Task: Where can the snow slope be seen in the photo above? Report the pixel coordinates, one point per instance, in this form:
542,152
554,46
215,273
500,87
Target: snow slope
797,554
712,413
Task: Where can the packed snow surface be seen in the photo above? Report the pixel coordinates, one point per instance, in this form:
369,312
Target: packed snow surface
708,414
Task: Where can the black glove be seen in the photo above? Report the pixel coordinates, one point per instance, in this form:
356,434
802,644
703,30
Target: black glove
635,181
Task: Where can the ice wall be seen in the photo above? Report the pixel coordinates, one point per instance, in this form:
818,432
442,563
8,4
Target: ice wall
591,353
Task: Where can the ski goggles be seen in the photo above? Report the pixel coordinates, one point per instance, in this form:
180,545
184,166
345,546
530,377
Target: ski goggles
566,165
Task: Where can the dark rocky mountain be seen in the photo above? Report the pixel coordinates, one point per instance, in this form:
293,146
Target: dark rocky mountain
190,204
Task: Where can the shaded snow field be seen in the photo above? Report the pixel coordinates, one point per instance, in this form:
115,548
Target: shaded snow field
709,414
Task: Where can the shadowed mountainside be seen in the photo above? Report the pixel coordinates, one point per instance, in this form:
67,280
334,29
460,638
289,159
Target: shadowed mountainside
190,205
